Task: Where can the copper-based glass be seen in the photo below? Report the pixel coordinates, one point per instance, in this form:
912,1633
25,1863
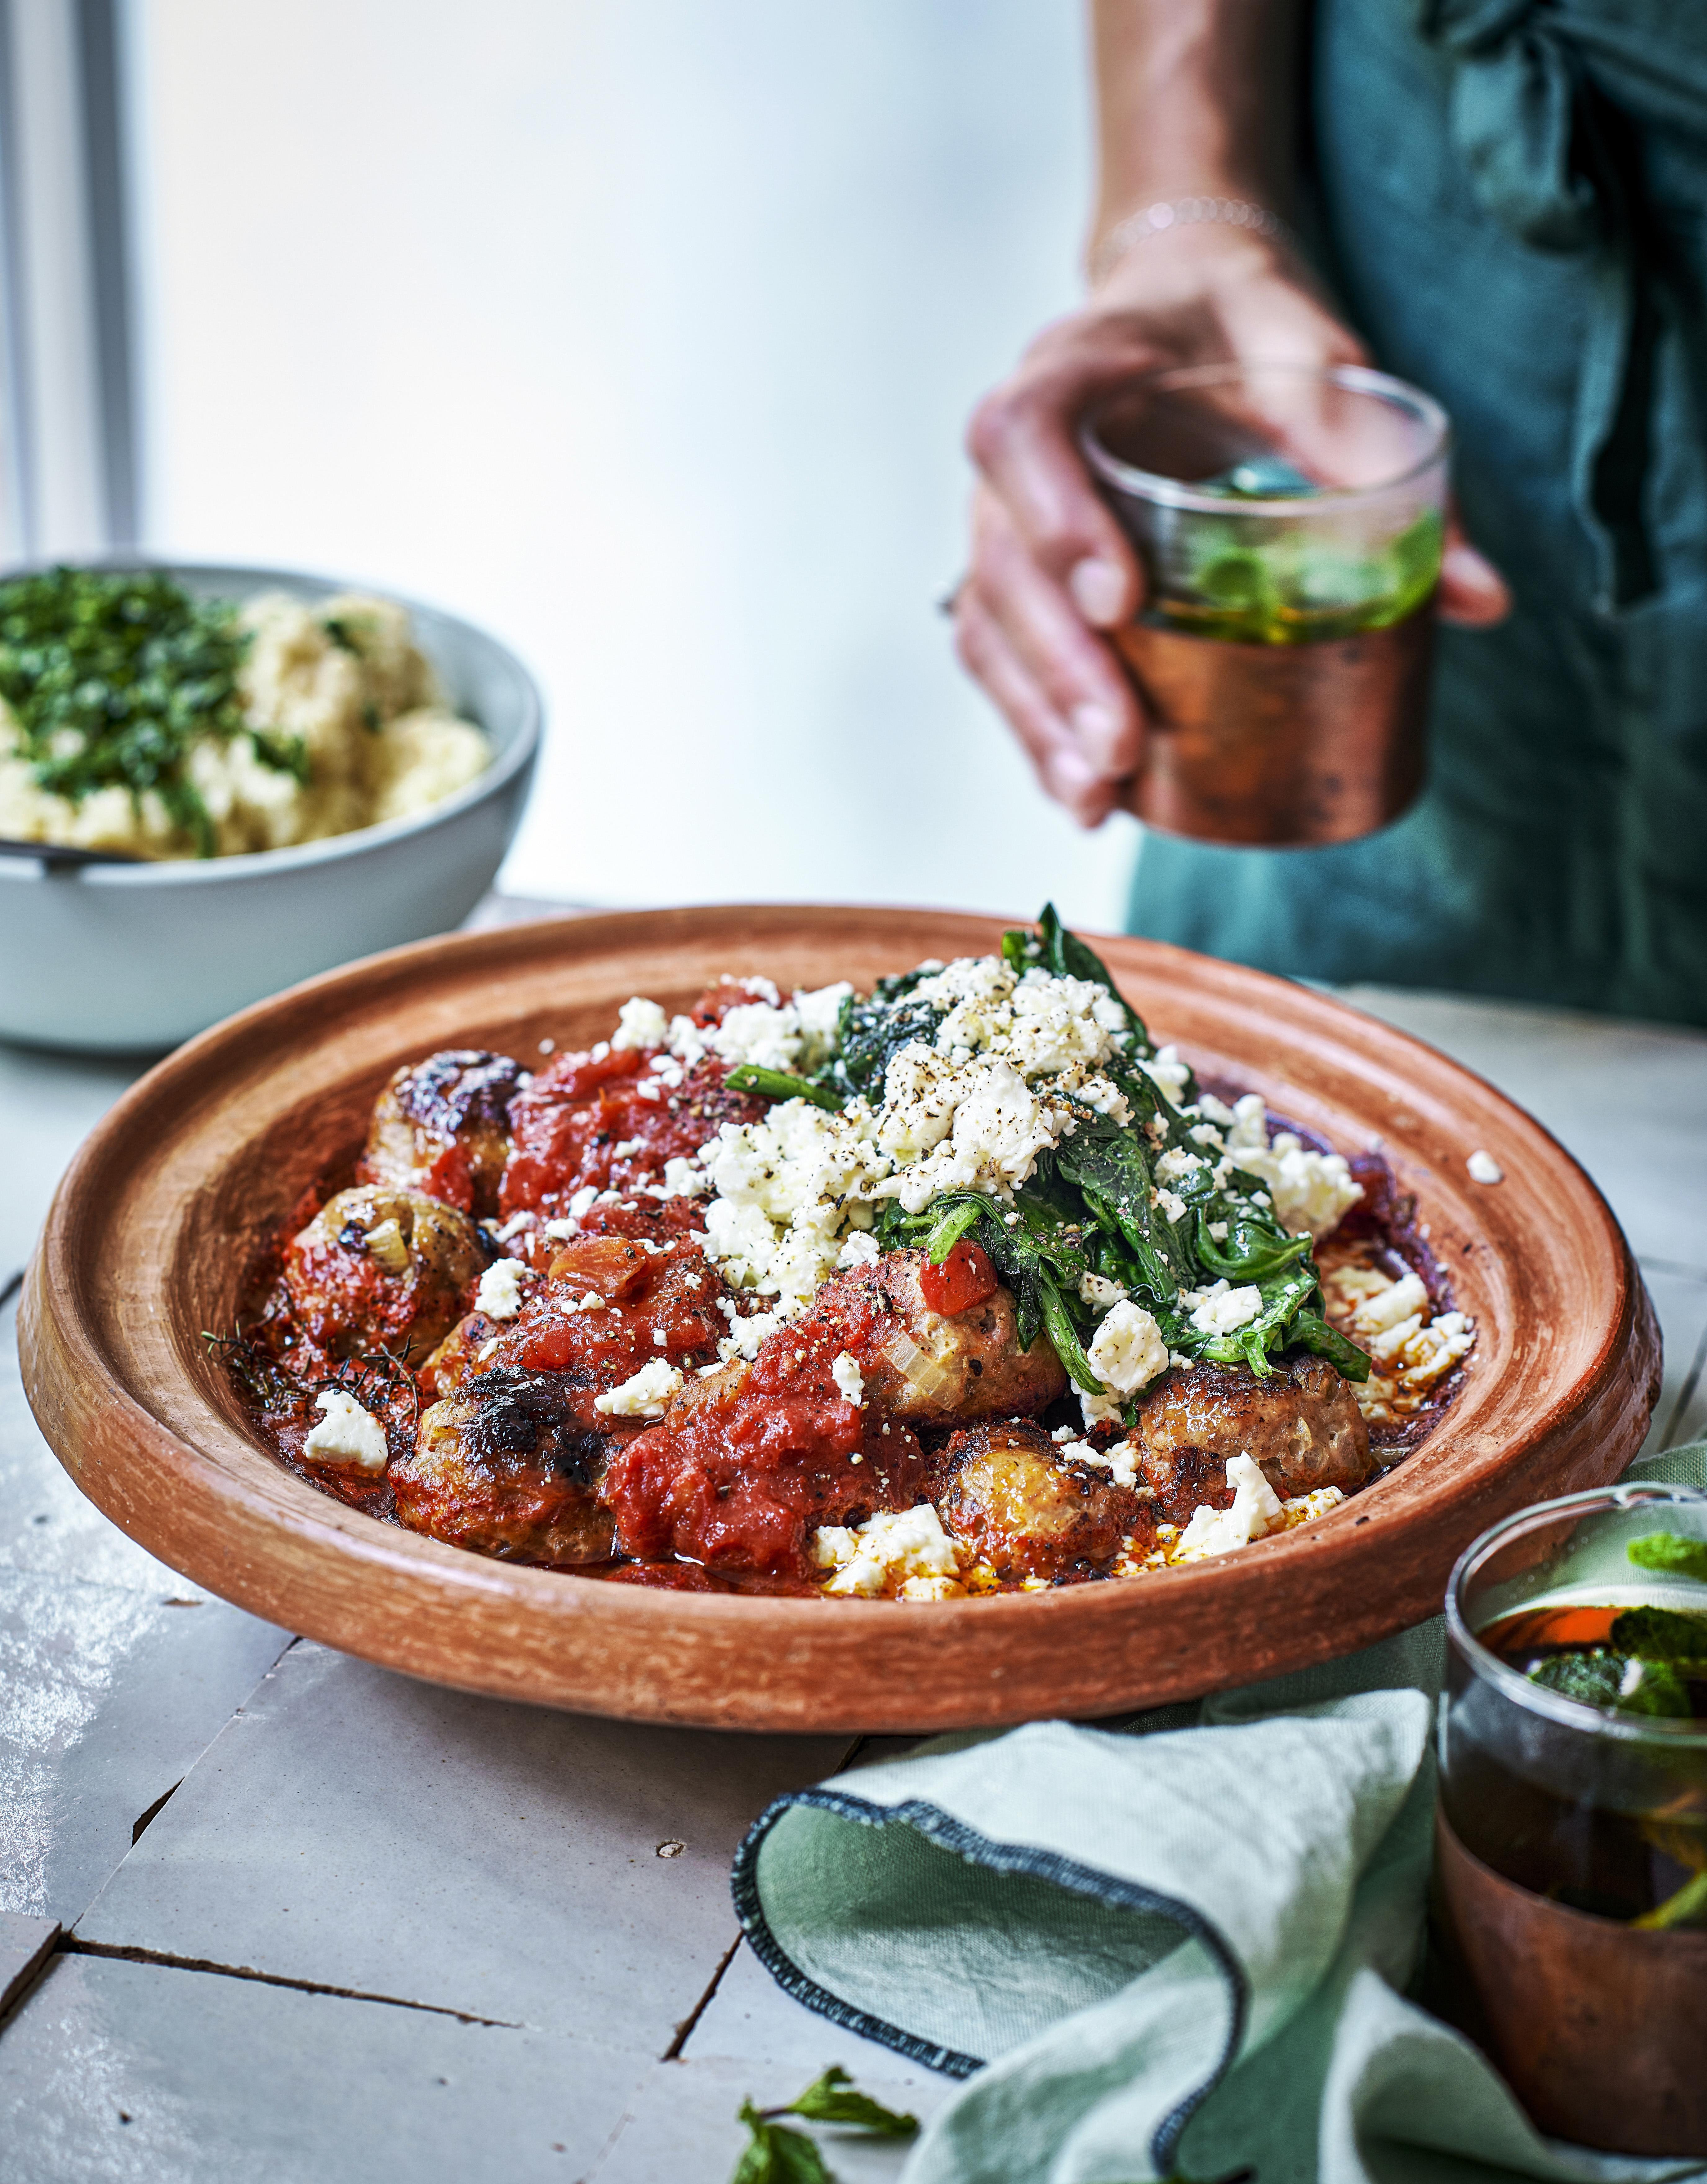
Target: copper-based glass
1289,521
1573,1823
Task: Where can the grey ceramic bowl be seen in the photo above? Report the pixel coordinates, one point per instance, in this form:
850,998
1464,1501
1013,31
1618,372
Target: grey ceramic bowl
110,958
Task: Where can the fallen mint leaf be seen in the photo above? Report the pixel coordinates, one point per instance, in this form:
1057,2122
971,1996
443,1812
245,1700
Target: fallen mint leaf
832,2098
776,2155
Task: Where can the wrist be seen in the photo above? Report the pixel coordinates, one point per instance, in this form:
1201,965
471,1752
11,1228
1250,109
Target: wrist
1133,261
1209,220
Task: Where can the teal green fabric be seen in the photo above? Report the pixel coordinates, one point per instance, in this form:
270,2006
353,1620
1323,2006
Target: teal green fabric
1515,209
1180,1946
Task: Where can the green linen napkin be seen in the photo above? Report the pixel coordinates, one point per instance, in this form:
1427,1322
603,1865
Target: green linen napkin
1179,1947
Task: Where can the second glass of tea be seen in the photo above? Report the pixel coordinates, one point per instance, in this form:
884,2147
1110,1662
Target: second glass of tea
1571,1867
1289,521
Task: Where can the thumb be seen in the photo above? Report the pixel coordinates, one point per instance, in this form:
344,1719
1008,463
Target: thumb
1473,594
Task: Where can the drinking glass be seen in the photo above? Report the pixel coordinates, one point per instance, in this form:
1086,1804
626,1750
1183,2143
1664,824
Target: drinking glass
1571,1874
1289,520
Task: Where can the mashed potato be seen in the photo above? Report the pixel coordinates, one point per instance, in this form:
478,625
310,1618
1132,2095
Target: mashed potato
345,676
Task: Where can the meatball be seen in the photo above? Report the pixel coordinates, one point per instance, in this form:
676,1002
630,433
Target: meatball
458,1355
933,1369
1301,1424
381,1269
1027,1511
442,1126
510,1465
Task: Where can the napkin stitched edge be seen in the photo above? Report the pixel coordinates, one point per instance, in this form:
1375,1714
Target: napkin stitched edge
949,1834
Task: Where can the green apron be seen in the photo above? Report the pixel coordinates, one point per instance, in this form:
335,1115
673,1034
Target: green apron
1515,202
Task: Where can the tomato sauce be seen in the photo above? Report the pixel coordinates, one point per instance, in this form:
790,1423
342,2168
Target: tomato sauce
742,1473
610,1124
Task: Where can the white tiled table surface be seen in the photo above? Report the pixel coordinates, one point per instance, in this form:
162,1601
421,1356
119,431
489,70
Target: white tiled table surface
305,1919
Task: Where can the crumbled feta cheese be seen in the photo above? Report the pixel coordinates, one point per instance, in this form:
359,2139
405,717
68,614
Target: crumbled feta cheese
758,1034
1218,1232
1223,1311
346,1434
848,1377
930,1588
1128,1351
583,1202
1168,1073
1484,1168
627,1149
1312,1191
684,1179
1386,1308
999,1127
1256,1512
1172,1204
641,1023
819,1012
882,1554
1216,1111
514,1227
591,1301
1097,1291
499,1296
1300,1508
547,1046
1176,1164
1409,1351
1120,1462
858,1250
645,1393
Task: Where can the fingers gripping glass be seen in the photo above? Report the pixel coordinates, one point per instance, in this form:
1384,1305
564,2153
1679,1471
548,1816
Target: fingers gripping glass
1290,522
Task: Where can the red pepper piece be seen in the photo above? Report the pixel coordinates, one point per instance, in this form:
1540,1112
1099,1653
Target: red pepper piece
966,1277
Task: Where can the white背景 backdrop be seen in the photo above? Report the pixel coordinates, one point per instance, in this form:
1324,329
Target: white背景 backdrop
643,331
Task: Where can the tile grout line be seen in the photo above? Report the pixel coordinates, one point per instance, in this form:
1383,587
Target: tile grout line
25,1982
684,2032
73,1945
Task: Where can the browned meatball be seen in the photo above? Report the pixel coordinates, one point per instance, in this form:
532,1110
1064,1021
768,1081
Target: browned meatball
380,1269
931,1368
510,1465
1301,1424
443,1126
1026,1512
457,1356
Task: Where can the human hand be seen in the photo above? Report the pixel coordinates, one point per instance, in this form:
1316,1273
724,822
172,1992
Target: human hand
1050,568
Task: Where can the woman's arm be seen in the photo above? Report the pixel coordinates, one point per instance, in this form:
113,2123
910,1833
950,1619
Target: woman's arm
1194,98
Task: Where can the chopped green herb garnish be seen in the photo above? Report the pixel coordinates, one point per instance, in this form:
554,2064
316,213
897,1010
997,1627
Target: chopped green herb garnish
1600,1676
112,679
1288,587
1674,1552
1661,1634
